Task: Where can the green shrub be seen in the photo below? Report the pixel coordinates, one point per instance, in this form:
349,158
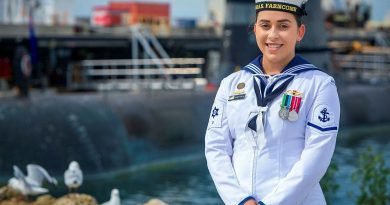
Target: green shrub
372,176
328,182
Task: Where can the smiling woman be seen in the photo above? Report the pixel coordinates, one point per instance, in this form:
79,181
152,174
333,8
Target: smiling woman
277,34
273,125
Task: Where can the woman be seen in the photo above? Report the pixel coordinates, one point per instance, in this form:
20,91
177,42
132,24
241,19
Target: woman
273,125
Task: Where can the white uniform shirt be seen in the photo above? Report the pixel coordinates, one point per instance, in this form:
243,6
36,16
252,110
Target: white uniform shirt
284,166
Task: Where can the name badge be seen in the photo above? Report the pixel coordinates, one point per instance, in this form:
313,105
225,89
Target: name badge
237,97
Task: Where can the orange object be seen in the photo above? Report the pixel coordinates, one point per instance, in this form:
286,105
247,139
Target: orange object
105,16
154,15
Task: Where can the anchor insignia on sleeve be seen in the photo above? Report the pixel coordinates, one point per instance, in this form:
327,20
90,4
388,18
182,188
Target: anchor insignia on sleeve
324,117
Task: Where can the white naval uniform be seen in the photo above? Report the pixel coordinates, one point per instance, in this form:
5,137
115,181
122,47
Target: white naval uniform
285,164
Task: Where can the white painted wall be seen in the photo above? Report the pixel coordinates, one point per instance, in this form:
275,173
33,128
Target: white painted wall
50,12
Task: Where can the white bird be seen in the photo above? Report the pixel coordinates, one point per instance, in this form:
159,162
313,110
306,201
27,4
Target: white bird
30,185
73,176
115,199
37,174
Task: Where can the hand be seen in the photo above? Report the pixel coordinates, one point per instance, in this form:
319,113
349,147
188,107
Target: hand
251,202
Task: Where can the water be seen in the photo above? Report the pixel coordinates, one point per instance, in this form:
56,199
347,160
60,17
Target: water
352,143
185,180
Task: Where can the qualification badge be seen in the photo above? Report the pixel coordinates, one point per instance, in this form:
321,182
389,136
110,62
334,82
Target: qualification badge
238,94
289,107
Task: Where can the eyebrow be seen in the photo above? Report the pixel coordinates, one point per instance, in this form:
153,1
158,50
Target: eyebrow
279,21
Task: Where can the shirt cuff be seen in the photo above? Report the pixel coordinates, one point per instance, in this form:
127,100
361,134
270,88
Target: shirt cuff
245,200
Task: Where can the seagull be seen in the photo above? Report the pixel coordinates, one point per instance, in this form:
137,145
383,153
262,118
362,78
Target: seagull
37,174
73,176
115,199
30,185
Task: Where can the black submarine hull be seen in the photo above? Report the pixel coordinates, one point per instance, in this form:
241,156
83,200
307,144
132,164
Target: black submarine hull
110,131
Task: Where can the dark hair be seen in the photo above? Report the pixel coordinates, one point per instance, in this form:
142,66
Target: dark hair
297,18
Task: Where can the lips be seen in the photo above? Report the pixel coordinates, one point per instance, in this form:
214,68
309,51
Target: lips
273,46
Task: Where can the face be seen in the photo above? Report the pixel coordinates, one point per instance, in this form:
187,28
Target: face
277,33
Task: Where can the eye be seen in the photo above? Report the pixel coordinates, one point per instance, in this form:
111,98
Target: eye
264,25
284,26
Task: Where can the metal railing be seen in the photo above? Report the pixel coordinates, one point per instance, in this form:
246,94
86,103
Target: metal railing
367,67
136,74
155,69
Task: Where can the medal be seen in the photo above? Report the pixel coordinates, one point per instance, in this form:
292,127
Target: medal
284,107
289,107
293,116
283,113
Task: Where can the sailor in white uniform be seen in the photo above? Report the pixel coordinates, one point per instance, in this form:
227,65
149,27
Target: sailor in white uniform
273,125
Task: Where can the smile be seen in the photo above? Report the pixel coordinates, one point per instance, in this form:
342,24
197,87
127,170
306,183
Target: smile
273,46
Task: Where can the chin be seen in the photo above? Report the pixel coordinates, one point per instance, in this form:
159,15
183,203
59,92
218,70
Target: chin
274,58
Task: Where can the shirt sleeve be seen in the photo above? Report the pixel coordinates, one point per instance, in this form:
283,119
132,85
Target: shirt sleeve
320,140
219,150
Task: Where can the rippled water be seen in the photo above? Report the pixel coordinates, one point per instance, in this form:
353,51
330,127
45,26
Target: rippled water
185,180
352,143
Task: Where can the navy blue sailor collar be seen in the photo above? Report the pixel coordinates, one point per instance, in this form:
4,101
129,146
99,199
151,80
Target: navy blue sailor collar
297,65
263,88
267,93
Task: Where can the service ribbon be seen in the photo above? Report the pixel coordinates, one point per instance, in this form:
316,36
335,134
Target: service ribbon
288,101
284,101
295,103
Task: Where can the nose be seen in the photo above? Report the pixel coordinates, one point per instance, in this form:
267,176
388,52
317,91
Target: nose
273,33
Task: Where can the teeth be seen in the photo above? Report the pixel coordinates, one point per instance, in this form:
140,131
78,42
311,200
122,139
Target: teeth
274,45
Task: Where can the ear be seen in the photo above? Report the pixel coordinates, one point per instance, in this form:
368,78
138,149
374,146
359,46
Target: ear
301,32
254,28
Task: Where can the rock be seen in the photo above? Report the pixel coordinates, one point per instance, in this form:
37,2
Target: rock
7,193
155,202
44,200
76,199
13,202
9,196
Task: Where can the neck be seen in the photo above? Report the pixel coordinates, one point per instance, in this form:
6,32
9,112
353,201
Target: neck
272,68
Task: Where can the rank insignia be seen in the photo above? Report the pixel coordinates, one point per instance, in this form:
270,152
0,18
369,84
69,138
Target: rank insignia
323,118
289,108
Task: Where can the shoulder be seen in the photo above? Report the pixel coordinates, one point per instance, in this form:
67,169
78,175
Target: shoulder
317,78
236,77
229,83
